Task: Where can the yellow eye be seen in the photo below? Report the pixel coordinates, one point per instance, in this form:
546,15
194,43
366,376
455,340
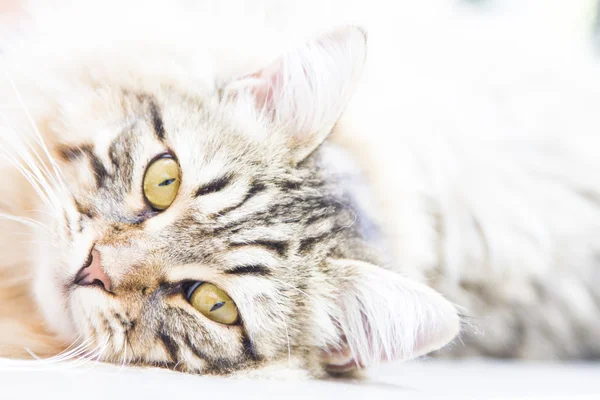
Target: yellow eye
214,303
161,182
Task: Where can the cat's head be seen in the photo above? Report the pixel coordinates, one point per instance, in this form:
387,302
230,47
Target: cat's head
196,228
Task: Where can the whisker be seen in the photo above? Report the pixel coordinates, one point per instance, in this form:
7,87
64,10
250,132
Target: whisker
100,354
44,212
60,360
58,357
124,355
92,355
41,242
26,221
287,334
38,135
33,181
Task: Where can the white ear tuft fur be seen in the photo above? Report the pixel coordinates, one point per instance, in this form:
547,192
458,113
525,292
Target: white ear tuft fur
306,90
386,317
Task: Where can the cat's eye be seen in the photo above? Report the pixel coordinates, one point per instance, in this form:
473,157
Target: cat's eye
161,182
213,303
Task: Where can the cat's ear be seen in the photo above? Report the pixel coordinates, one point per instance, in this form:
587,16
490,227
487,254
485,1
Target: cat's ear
304,92
385,317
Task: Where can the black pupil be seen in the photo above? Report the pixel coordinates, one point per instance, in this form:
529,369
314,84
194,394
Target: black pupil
217,306
167,182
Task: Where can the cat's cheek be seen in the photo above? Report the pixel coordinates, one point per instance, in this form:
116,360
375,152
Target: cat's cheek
51,301
49,293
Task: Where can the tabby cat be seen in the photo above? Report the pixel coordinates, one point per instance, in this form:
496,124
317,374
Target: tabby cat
204,225
167,207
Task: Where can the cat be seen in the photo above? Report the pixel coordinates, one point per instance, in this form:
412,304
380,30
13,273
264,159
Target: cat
203,225
184,197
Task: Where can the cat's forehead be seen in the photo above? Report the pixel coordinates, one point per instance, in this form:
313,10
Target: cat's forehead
199,127
210,140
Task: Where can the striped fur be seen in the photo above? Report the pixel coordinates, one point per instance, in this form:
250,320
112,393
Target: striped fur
260,213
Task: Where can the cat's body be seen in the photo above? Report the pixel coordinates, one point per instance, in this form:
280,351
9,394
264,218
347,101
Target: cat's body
107,107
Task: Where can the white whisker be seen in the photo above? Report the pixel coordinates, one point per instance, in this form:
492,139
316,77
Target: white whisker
33,181
124,361
26,221
287,334
38,135
44,212
41,242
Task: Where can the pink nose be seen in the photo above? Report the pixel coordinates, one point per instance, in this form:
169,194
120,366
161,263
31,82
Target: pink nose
92,273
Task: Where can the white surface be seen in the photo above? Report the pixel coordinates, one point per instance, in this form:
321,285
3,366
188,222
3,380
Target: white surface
422,380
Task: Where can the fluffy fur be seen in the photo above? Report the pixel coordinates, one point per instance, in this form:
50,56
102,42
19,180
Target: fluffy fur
263,212
331,300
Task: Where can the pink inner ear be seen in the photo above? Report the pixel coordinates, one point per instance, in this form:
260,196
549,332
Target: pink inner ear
339,360
305,91
387,317
265,87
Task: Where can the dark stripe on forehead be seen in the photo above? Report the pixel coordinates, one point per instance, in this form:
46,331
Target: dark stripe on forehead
255,188
75,153
113,155
279,247
157,122
306,245
70,154
214,186
120,154
81,209
253,269
99,170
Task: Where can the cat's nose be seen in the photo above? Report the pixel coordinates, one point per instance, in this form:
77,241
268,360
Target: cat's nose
92,273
